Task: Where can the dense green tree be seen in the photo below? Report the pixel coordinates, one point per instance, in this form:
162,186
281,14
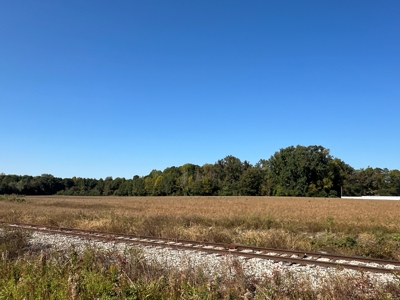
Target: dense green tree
229,171
196,188
372,181
25,185
8,184
124,189
170,181
209,187
189,173
150,181
300,171
292,171
138,186
98,189
393,181
251,181
337,177
49,185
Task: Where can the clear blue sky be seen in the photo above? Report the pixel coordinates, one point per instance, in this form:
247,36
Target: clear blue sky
118,88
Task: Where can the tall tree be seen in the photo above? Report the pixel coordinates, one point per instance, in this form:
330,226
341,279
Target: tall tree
251,181
300,171
229,171
138,186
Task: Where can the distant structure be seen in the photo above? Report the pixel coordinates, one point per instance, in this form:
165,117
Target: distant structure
372,197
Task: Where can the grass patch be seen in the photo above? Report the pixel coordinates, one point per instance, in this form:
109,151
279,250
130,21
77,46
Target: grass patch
12,198
96,274
12,241
358,227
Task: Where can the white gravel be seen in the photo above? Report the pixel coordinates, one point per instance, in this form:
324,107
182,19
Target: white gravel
211,264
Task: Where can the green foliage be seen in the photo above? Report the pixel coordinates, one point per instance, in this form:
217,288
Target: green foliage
292,171
251,181
371,181
138,186
301,171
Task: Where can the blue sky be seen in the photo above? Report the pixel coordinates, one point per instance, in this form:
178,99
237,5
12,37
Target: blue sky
118,88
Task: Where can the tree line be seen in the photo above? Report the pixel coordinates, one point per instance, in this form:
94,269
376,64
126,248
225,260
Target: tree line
292,171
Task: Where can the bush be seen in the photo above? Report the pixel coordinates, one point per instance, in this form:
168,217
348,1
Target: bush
12,241
12,198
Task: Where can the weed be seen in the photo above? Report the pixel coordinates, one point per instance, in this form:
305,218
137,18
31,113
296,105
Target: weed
12,241
12,198
337,225
95,274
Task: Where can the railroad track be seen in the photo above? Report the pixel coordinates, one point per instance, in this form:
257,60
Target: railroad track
278,255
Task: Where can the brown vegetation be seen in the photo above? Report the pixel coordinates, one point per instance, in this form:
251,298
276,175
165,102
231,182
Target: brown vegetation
96,274
360,227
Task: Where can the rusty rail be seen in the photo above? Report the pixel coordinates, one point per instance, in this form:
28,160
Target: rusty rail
278,255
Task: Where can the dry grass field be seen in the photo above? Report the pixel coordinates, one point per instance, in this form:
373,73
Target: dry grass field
370,228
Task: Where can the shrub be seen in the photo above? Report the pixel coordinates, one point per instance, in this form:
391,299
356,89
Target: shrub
12,241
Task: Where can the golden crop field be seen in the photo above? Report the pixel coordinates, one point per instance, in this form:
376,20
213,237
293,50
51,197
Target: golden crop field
340,225
282,209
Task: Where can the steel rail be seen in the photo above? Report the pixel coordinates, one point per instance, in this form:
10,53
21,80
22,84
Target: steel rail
289,256
302,254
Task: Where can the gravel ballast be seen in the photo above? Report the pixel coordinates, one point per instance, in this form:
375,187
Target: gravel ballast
211,264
